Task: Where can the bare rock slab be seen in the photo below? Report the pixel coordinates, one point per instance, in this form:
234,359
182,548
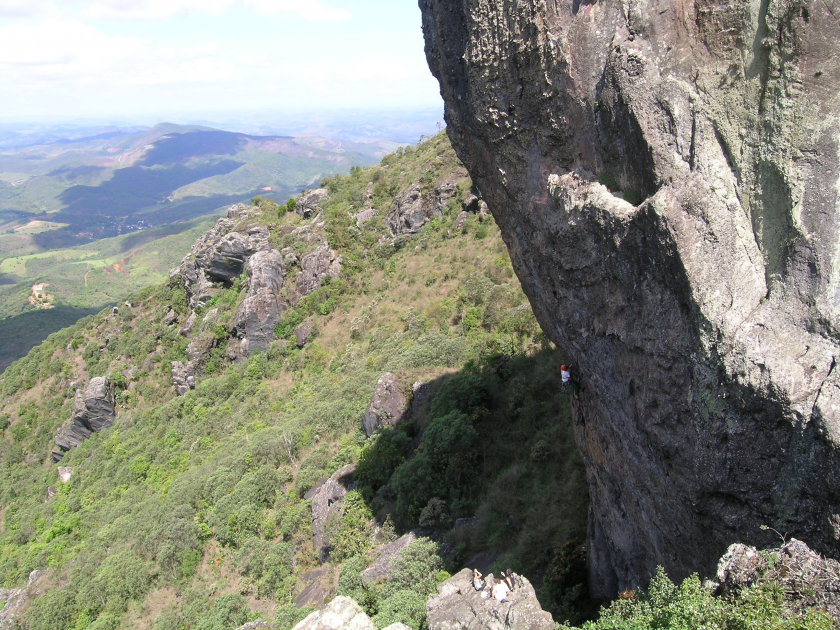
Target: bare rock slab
327,501
93,410
387,405
458,606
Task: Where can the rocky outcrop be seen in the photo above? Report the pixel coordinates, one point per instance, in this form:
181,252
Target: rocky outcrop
15,601
327,502
308,204
380,568
386,407
183,377
458,606
807,580
322,262
219,256
412,208
93,411
342,613
665,176
261,309
64,473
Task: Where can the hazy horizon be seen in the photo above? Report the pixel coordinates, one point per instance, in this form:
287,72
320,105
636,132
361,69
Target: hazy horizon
210,60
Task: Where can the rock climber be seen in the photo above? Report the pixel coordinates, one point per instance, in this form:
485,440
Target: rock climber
566,375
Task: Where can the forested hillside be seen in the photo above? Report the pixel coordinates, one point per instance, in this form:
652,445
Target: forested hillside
196,510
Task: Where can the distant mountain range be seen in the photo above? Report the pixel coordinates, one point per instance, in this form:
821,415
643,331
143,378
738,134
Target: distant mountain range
89,214
114,180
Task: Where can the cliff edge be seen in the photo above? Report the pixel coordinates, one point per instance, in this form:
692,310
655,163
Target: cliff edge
665,175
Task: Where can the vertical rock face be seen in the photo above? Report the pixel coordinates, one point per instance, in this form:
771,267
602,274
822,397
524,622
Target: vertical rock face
259,312
327,502
93,411
696,288
387,405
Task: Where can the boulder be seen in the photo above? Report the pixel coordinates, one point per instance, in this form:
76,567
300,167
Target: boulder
385,555
260,311
807,580
327,502
170,318
64,473
322,262
342,613
93,411
459,220
386,407
183,377
51,492
259,624
307,205
186,329
302,333
458,606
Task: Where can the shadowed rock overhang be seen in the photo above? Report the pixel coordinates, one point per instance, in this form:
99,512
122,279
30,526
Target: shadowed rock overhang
665,175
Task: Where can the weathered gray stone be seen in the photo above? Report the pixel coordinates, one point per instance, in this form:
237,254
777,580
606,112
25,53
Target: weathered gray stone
364,215
342,613
170,318
220,254
183,377
302,333
387,405
261,309
64,473
322,262
698,297
326,502
385,555
308,204
17,600
807,580
411,208
93,411
458,606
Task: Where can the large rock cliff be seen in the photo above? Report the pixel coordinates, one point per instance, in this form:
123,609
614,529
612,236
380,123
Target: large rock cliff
665,175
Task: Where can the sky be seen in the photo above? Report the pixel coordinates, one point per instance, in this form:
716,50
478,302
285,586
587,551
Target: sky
145,60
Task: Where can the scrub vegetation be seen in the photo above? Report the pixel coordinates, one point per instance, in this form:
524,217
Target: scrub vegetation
196,502
190,512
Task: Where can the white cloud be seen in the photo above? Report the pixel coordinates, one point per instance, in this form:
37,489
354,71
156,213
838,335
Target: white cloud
66,67
313,10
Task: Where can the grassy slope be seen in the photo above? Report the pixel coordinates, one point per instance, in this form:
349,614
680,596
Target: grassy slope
155,526
83,280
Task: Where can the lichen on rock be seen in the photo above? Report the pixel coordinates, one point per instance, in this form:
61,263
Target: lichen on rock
665,176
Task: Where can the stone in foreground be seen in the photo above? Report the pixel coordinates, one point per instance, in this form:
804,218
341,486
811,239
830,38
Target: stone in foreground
458,606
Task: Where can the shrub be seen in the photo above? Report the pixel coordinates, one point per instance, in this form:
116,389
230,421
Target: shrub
54,609
380,457
289,615
443,466
228,611
436,515
408,607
